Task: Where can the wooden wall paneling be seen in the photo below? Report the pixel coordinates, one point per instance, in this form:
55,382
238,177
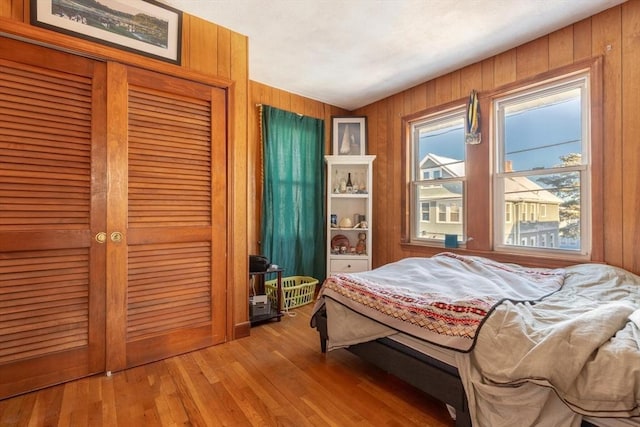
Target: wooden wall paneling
282,100
456,88
532,58
13,9
394,175
419,97
470,78
186,40
378,146
597,163
431,93
299,104
257,95
630,204
582,40
443,89
488,75
505,68
561,47
225,58
5,9
607,30
407,101
239,104
478,188
199,44
314,109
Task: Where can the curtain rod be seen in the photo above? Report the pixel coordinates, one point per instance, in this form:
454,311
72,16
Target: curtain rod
299,114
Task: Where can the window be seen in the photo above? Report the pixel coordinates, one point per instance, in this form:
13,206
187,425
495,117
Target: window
542,143
426,213
437,175
449,212
454,212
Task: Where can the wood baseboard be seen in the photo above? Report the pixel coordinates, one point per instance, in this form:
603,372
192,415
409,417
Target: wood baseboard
241,330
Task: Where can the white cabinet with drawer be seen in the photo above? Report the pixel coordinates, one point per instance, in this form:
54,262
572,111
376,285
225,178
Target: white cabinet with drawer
349,213
349,265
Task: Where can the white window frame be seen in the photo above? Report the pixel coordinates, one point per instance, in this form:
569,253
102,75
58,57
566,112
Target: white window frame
458,111
579,79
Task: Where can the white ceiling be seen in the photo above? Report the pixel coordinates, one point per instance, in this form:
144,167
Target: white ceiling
350,53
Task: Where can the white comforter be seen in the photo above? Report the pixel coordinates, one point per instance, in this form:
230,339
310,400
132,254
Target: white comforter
443,299
577,350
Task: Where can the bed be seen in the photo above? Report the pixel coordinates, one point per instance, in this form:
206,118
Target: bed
490,339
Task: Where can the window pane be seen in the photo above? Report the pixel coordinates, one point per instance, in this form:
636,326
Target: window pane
539,130
544,209
438,171
425,211
445,205
440,148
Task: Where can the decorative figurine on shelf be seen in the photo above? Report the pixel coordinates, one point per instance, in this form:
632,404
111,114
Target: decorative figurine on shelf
361,246
349,185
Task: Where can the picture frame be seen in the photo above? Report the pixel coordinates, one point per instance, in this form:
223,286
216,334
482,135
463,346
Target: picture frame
140,26
349,135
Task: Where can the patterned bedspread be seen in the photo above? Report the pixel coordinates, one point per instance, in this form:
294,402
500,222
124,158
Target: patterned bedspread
443,299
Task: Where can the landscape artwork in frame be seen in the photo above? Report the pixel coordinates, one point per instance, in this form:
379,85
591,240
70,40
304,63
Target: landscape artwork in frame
349,135
145,27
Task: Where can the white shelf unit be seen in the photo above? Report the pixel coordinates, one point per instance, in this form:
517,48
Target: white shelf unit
354,205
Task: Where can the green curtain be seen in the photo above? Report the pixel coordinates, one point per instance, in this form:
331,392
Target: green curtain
293,226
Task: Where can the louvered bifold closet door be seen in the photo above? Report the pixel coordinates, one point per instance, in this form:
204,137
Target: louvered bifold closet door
51,269
176,198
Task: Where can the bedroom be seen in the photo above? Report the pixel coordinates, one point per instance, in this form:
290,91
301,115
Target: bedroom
616,27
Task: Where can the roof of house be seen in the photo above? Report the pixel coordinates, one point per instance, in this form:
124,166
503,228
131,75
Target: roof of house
517,188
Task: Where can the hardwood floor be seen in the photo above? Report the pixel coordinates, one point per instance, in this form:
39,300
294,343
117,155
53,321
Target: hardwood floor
275,377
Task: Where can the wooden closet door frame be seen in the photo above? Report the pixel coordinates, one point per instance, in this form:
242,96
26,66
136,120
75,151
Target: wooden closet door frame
60,366
120,353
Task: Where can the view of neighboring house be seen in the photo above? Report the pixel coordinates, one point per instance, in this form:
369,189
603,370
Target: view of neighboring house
532,214
441,209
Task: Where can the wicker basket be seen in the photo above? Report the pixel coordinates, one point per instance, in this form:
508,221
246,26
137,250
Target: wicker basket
296,291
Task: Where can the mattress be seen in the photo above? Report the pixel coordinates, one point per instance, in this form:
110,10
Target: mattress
437,352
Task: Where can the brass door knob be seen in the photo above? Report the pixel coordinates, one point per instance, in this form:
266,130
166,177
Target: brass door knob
101,237
116,236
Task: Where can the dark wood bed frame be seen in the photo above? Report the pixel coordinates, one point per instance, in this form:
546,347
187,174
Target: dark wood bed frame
431,376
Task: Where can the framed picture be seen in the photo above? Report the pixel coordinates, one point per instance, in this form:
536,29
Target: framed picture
349,135
145,27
